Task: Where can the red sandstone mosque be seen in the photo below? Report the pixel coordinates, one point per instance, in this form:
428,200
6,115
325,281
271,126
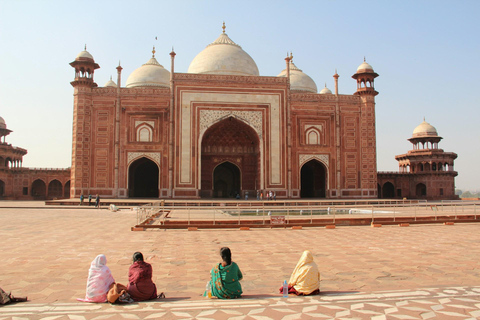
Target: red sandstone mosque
222,129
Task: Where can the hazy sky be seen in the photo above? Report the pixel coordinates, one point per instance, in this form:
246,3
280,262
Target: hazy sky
427,54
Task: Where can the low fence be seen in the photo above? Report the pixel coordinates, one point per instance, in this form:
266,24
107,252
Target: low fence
272,214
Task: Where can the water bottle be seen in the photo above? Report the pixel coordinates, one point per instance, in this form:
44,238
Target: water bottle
208,290
285,289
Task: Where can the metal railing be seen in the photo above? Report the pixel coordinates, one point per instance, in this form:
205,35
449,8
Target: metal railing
268,213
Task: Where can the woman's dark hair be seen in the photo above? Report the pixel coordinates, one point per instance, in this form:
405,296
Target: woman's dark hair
137,256
226,255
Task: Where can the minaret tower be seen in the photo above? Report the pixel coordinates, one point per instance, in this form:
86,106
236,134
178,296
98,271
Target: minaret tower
365,79
367,137
84,68
83,83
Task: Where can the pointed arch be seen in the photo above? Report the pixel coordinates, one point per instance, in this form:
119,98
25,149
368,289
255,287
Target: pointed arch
144,132
421,190
39,189
313,179
143,178
66,190
388,190
313,136
54,189
227,181
2,188
234,141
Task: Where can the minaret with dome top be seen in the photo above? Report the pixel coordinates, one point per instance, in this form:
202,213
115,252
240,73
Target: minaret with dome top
365,76
83,84
85,66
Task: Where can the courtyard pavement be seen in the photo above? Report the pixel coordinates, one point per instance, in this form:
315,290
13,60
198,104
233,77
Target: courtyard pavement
392,272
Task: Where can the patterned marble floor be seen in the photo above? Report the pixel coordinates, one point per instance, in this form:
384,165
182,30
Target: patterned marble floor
430,303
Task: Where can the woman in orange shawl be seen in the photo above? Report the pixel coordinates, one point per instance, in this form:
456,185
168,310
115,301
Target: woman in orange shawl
305,278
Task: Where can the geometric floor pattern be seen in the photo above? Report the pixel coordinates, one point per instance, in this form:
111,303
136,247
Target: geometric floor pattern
418,272
431,303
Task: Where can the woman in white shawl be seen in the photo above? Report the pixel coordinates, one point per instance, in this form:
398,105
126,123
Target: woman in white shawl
99,280
305,278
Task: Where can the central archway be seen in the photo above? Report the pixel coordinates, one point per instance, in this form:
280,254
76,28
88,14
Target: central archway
313,180
226,180
143,179
231,147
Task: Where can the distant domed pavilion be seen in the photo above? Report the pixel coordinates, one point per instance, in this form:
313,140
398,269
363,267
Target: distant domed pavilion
426,172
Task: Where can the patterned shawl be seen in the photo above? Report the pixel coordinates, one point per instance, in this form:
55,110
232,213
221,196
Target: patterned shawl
226,281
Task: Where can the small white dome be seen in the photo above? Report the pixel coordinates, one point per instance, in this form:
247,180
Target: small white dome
424,129
326,90
364,67
151,74
223,56
84,55
110,83
3,125
298,80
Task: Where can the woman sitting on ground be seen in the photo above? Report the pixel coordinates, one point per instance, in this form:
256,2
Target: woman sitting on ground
305,278
140,284
99,280
226,276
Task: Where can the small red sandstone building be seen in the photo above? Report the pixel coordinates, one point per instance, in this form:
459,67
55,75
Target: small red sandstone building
19,183
426,172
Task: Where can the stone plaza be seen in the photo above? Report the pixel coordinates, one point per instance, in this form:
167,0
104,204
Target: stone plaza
418,272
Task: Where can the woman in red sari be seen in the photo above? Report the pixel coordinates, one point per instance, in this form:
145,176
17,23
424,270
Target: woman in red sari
140,285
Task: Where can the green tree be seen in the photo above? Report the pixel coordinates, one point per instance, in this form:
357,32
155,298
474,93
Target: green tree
466,194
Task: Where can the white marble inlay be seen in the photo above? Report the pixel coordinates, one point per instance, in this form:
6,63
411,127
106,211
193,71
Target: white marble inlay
230,100
154,156
323,158
150,123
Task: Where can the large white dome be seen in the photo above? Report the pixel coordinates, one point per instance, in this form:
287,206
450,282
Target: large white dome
151,74
299,80
223,56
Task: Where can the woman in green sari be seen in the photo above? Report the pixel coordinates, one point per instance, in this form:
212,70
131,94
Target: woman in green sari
226,276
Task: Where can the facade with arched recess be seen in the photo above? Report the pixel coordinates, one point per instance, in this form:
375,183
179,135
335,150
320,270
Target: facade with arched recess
20,183
221,129
425,172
